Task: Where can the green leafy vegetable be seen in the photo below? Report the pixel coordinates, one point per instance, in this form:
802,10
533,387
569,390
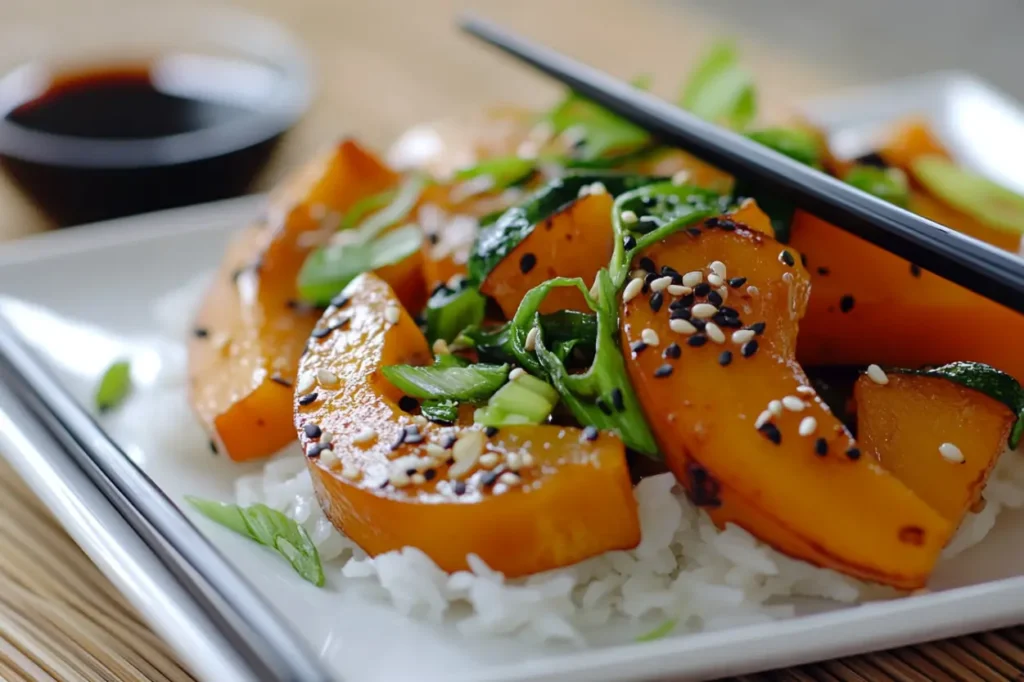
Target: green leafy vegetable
494,344
449,312
597,131
971,193
328,270
719,90
270,528
889,184
440,411
796,143
504,171
660,631
473,383
990,381
526,400
114,387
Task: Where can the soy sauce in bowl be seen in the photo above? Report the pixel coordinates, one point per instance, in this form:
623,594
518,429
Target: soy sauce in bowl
115,139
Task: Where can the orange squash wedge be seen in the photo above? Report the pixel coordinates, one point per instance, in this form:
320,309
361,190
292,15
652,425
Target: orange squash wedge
391,479
729,414
940,438
251,330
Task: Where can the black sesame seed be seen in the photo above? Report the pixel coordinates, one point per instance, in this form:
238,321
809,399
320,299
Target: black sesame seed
647,264
702,289
725,357
439,289
410,472
846,303
408,403
656,300
629,242
398,442
699,324
213,447
872,159
433,238
278,379
491,431
527,262
771,432
672,351
200,333
448,441
321,333
450,461
430,474
749,348
340,301
650,277
687,301
757,328
637,347
668,271
786,258
915,270
715,298
664,370
315,450
603,406
459,488
311,430
307,399
728,312
590,433
680,314
712,222
648,223
737,282
727,322
803,259
697,340
727,225
821,447
490,477
693,231
853,453
618,400
824,272
384,484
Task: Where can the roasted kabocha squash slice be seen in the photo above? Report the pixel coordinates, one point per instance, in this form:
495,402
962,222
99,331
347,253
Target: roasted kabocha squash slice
251,328
868,305
739,424
389,479
940,431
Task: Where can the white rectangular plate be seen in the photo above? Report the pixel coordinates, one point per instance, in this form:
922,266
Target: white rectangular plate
106,279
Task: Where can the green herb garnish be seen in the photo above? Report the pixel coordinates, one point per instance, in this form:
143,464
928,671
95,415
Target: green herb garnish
115,386
270,528
473,383
719,90
566,329
889,184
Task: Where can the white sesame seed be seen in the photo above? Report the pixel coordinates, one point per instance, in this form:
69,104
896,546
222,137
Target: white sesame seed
951,453
650,337
808,425
509,478
305,382
718,267
632,290
434,450
399,478
328,457
326,378
531,338
488,459
703,311
350,472
441,347
466,452
793,404
752,290
364,436
723,291
714,332
661,283
527,459
418,479
681,327
762,419
714,280
516,373
692,279
806,390
326,437
513,461
741,336
419,420
598,188
628,217
391,314
455,281
679,290
681,178
584,192
775,407
877,375
638,273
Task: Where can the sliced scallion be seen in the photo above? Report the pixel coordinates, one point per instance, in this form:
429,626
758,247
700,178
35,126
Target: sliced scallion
721,91
889,184
449,312
472,384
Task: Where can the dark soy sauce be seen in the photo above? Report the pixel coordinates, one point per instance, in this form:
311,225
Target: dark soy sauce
109,141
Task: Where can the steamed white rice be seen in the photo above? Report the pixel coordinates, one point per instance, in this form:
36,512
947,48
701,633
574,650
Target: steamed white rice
685,571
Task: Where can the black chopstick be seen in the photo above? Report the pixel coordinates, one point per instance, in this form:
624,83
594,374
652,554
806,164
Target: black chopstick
983,268
260,636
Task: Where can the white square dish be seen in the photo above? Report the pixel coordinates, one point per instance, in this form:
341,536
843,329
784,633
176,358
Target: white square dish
81,275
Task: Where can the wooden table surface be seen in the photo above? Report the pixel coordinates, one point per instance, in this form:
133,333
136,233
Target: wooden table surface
383,65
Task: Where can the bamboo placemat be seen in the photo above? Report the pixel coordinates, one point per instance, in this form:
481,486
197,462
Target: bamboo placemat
383,66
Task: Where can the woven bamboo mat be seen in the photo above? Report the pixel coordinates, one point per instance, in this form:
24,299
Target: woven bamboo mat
382,66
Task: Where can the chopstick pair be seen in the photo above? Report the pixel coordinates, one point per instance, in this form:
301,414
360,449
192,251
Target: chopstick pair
983,268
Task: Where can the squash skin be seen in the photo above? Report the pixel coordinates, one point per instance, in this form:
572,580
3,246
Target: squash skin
903,423
574,242
703,415
575,502
255,331
897,318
